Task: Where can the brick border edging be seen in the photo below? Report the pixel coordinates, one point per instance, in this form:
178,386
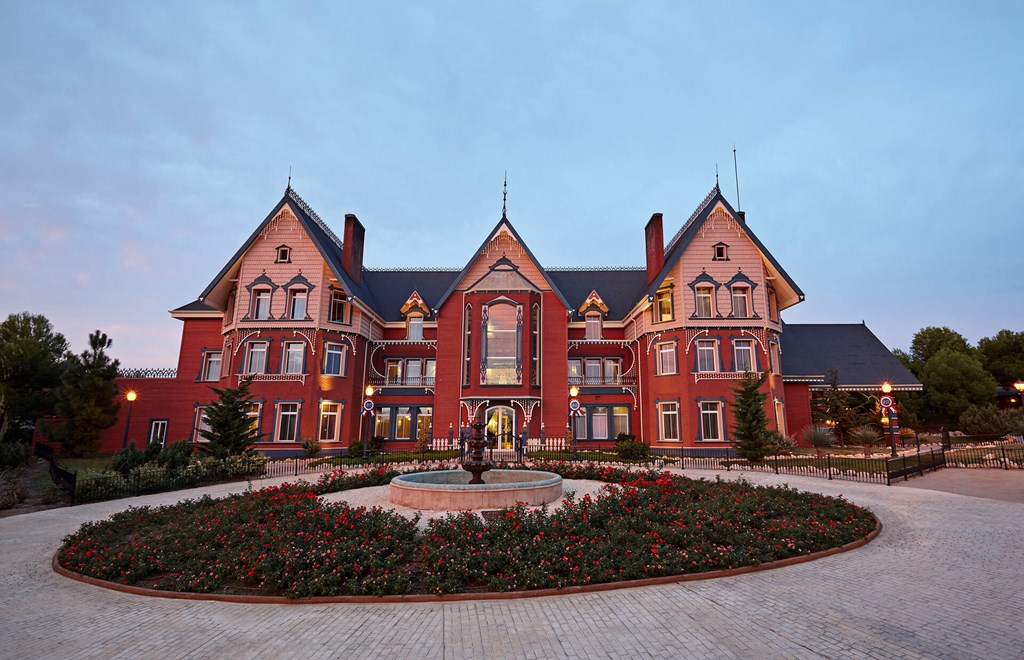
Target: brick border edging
494,595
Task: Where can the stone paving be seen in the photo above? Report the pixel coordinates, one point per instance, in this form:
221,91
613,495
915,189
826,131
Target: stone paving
943,580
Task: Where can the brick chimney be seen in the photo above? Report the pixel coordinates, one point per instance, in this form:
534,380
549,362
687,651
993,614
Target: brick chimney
655,247
352,248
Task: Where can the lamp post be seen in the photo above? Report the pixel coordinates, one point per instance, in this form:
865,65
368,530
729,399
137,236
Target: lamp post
574,411
368,411
889,415
130,396
1019,386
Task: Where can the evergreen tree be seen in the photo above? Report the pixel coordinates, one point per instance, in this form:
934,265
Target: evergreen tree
751,437
837,411
231,431
31,362
86,400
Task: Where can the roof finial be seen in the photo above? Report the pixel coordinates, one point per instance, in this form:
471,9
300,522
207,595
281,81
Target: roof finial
716,175
504,196
289,179
736,169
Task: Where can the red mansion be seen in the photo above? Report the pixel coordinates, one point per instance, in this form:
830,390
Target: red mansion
653,351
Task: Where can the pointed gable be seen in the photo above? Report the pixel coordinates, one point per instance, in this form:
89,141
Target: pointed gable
415,303
593,301
503,263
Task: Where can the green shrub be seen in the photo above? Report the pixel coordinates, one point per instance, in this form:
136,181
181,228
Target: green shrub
781,444
866,436
13,454
628,448
127,460
311,447
983,420
152,477
1015,421
176,456
819,437
356,446
250,465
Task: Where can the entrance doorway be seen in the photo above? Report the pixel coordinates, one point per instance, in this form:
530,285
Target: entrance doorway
501,427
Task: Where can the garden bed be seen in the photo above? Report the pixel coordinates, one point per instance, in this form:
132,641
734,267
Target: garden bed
287,542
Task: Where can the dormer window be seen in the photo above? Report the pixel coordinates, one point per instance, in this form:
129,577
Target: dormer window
663,306
593,330
284,255
339,303
297,303
721,252
261,304
415,327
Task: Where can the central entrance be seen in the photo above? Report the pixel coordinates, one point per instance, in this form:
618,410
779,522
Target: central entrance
501,426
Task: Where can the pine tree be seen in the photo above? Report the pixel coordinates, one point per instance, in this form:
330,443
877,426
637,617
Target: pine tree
836,409
751,437
231,429
86,400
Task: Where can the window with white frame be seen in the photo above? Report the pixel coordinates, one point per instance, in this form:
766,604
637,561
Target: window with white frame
415,327
612,371
743,355
403,423
158,431
260,304
429,372
393,372
467,344
256,359
284,254
705,302
773,355
599,427
201,424
382,423
741,302
252,411
707,355
663,306
294,355
668,421
413,372
334,359
287,422
575,372
592,371
297,298
593,329
721,252
425,423
620,420
710,421
339,307
330,416
211,365
666,358
579,427
501,345
535,344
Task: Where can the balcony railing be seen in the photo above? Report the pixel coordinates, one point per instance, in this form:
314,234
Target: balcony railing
602,381
405,381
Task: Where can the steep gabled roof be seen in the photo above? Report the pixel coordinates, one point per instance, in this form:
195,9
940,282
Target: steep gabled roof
809,350
391,288
479,251
620,288
325,240
675,248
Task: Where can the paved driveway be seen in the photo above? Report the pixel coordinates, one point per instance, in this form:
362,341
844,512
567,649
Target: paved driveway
942,580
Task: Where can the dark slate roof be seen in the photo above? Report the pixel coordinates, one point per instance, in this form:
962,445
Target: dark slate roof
195,306
619,288
675,248
811,349
391,288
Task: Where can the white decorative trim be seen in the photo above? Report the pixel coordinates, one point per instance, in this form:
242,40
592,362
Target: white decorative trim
273,377
309,335
527,405
651,339
246,334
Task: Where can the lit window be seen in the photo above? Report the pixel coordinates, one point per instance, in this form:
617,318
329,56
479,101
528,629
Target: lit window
382,424
339,303
620,420
668,421
743,355
663,306
284,254
202,425
261,304
721,252
774,357
413,371
666,358
415,324
429,372
256,361
707,355
501,350
710,420
287,422
158,431
593,326
252,411
394,372
579,427
740,302
593,372
294,352
467,344
334,359
330,414
575,372
612,369
403,423
297,304
211,365
424,423
705,296
599,427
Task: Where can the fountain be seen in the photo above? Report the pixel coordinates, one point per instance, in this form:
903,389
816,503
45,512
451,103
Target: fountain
452,490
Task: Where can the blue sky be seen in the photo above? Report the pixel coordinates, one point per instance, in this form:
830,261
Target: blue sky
881,150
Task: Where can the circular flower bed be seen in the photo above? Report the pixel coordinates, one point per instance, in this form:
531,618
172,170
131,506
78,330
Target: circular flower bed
286,541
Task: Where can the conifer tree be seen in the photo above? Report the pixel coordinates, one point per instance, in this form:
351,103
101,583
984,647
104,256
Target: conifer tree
86,400
837,410
751,437
231,431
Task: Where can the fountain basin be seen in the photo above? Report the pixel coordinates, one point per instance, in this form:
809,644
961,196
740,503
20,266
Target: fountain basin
450,490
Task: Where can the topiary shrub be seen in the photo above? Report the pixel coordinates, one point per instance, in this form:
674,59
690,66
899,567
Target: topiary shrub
819,437
628,448
983,420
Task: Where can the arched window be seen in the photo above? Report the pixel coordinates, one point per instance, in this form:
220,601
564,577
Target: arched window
467,344
501,346
535,344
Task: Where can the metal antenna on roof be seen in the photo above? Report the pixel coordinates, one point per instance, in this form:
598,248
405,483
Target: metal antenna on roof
504,196
736,170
